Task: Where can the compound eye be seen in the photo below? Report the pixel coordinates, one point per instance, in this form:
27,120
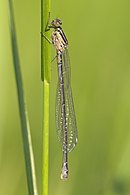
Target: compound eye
60,22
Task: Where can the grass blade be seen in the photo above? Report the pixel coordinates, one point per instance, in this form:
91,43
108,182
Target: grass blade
26,136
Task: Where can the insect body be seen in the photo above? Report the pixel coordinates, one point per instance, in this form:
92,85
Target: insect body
65,114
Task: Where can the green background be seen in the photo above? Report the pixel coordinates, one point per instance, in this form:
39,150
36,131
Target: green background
99,47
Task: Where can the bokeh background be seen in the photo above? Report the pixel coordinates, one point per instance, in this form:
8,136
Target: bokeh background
99,47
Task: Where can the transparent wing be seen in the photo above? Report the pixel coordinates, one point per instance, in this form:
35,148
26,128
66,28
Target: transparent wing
72,135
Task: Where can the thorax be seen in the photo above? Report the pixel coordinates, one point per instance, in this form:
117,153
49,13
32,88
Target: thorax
59,40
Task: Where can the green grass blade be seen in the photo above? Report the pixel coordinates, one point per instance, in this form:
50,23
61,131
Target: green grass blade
45,46
27,143
45,138
45,76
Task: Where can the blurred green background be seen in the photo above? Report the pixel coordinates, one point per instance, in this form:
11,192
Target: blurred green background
99,47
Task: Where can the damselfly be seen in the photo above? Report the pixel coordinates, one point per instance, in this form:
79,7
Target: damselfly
65,114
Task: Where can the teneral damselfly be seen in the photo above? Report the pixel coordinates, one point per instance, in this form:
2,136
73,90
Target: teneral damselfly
65,113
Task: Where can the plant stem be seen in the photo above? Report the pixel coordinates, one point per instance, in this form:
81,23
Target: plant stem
45,76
